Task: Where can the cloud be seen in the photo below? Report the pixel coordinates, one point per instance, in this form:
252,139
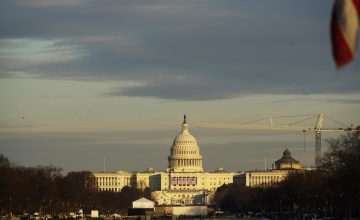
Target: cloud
354,101
176,91
345,101
46,3
184,50
22,57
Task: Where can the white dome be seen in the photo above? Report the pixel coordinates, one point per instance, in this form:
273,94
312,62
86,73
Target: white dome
185,152
184,138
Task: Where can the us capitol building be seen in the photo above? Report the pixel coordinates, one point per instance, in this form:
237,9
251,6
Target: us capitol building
184,182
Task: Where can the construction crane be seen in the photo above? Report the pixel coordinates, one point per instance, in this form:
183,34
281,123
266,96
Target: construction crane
317,129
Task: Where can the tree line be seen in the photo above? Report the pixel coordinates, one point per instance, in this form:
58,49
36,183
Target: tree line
45,190
331,190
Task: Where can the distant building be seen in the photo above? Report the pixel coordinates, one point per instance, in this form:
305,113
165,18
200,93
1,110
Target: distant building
113,181
184,182
143,203
142,206
286,162
281,169
260,178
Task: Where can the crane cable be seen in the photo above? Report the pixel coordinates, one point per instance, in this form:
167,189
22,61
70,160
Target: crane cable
280,116
297,122
304,140
346,126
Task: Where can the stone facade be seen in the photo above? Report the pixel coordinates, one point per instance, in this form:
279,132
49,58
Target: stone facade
261,178
113,182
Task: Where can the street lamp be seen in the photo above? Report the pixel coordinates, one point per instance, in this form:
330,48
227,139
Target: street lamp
50,208
10,207
28,201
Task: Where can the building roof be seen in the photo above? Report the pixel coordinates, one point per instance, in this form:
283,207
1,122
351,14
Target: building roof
149,170
220,170
143,199
286,158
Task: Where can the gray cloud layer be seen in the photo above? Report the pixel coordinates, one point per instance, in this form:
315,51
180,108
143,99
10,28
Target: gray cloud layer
183,50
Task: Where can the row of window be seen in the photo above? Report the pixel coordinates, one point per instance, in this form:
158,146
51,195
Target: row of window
185,152
112,181
219,178
214,183
180,201
183,181
185,142
188,162
264,180
109,190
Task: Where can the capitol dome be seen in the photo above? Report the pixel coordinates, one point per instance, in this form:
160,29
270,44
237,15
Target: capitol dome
185,152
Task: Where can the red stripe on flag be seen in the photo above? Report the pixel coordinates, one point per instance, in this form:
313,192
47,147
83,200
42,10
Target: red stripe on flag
357,5
341,51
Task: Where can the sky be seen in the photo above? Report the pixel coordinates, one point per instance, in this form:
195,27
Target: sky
84,80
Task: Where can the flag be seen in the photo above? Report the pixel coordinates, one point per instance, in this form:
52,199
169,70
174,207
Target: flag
174,181
193,181
180,182
344,30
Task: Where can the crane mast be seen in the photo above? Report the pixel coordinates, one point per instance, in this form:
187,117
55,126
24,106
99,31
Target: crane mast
317,129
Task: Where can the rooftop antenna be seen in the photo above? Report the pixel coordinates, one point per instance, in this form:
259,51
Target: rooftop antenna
104,164
265,164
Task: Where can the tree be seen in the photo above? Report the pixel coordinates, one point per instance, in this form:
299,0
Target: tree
26,189
4,161
342,165
43,189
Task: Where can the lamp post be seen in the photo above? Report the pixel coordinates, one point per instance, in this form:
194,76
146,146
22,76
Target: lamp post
42,207
28,203
50,209
10,211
